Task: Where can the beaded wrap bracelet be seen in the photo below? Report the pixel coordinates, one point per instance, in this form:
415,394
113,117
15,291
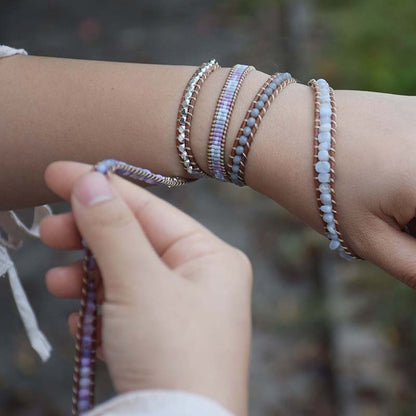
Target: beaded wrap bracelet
258,108
324,165
221,119
86,337
184,119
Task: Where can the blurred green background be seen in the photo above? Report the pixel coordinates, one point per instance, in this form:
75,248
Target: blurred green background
330,337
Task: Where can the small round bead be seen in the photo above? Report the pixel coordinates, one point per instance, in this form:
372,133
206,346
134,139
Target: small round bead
323,155
83,405
322,167
325,110
235,168
324,136
259,104
85,371
324,146
334,244
327,209
324,177
84,382
268,91
324,187
85,361
273,85
332,236
345,255
326,127
234,177
243,140
236,159
264,98
325,198
328,217
255,112
83,394
247,131
251,122
239,150
331,228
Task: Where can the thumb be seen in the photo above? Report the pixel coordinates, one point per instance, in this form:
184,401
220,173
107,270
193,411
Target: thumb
122,251
394,251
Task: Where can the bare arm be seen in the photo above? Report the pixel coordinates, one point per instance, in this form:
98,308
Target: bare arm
89,110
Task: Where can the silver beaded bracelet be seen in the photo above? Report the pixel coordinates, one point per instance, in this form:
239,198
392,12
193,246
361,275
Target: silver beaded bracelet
185,113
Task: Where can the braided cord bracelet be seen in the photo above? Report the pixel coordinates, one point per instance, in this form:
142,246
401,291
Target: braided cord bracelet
324,165
219,127
258,108
185,114
86,338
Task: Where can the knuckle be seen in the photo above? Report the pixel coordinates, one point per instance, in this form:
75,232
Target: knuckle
243,263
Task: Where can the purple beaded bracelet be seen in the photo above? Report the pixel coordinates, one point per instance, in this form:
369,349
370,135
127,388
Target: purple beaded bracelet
86,337
219,127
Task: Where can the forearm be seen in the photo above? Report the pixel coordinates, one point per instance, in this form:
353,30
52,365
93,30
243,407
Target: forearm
90,110
56,109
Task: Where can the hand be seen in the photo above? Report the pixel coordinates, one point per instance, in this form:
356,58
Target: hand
175,298
376,178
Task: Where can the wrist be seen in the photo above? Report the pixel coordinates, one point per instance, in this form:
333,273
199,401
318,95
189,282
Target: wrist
281,159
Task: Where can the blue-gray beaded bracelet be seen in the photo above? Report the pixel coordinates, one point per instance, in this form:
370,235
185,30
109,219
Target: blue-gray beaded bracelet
324,165
258,108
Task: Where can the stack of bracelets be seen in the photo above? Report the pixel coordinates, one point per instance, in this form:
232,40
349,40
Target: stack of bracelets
324,130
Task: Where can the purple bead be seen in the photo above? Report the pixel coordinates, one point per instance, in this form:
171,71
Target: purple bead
86,340
84,382
88,329
85,361
85,371
84,394
85,353
83,405
90,307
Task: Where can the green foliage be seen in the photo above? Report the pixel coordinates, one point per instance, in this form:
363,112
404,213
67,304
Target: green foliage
370,44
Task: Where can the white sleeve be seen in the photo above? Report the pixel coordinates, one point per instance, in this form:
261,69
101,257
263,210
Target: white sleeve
159,403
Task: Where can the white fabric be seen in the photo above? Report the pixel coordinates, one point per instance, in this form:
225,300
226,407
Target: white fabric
159,403
17,232
8,51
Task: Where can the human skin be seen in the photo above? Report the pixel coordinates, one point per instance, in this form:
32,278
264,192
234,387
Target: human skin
90,110
175,298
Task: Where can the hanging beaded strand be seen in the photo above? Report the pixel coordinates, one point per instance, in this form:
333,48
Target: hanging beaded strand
324,165
221,119
185,114
86,338
257,110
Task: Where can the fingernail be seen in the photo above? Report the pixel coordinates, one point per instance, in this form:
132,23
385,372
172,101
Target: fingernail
92,189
